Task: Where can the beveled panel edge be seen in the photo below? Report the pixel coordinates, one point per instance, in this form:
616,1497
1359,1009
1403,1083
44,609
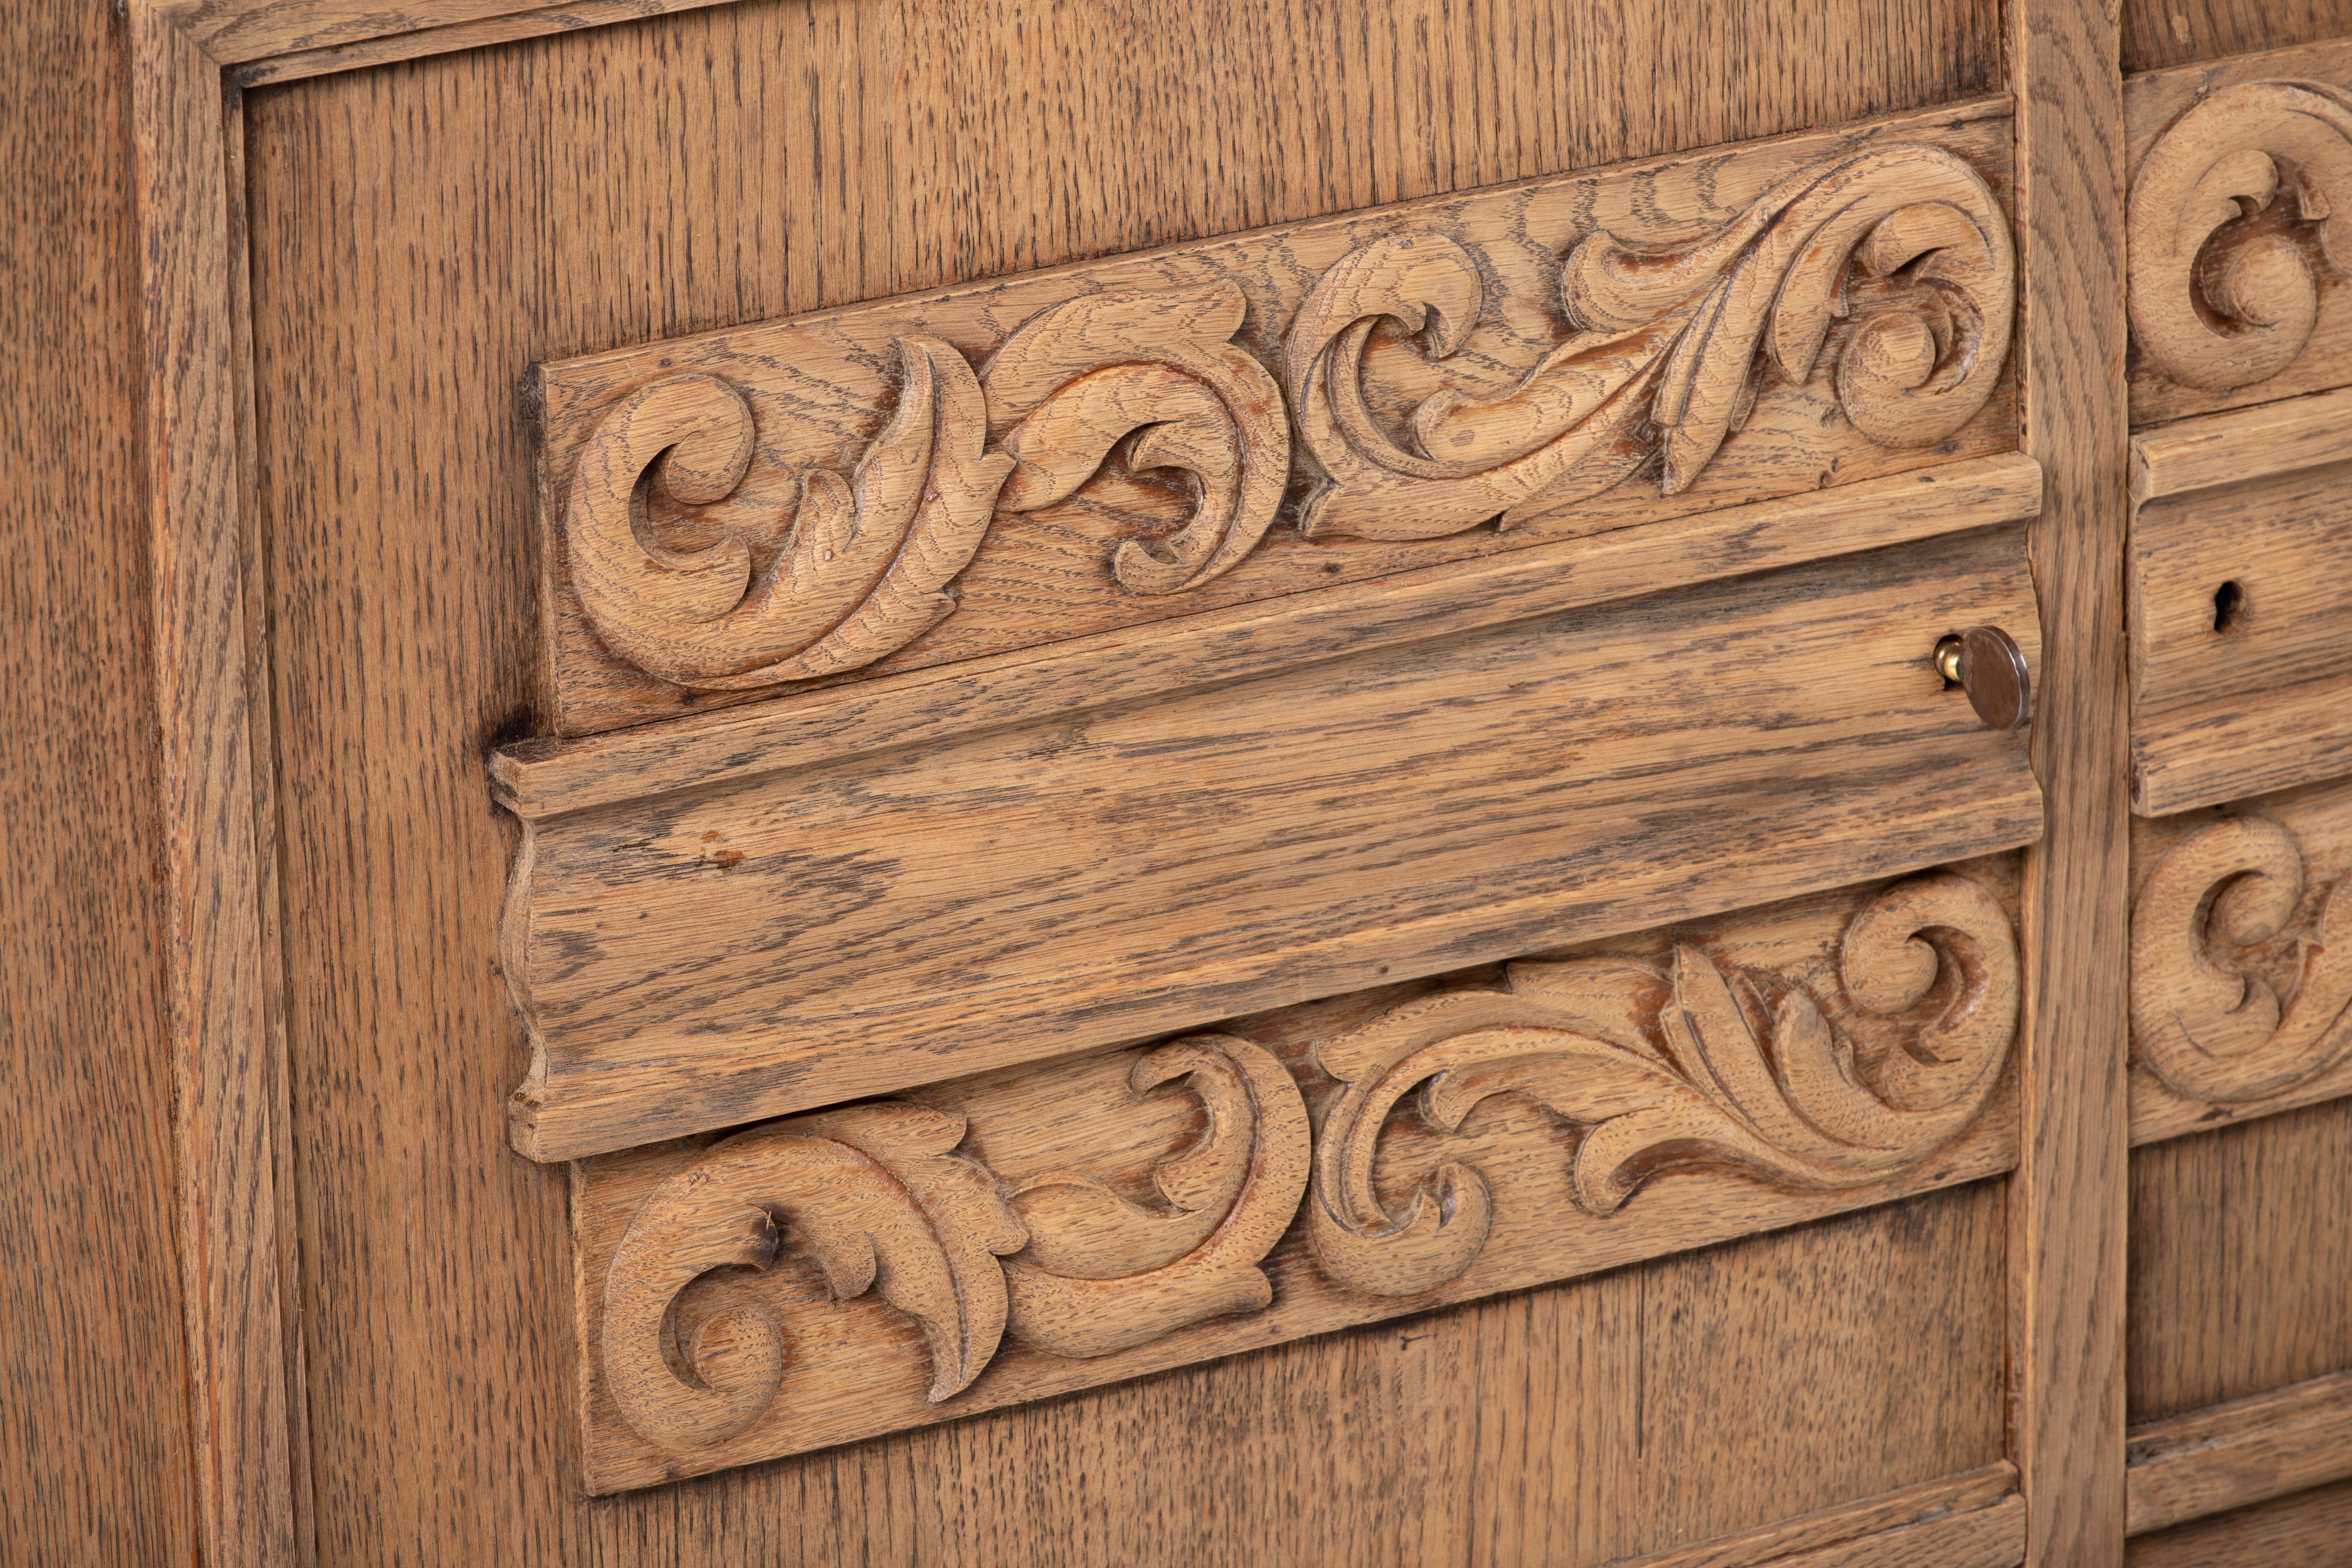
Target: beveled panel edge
1975,1519
2226,448
1702,1064
281,40
2239,1452
544,778
2241,962
939,477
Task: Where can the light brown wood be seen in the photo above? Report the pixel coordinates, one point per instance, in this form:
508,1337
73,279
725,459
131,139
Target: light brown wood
549,777
2310,1530
842,491
234,31
2239,612
2247,1451
398,494
1769,1072
2238,1257
1976,1518
2067,1200
2241,1003
98,1461
229,1076
2161,33
2252,150
1037,890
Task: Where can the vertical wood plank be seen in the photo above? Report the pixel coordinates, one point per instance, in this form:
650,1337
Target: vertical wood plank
95,1452
227,1085
2067,1200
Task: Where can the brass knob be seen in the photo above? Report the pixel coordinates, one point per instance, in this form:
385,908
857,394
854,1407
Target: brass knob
1986,663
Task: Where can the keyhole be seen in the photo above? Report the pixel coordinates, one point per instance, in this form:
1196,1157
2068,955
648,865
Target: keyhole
2228,608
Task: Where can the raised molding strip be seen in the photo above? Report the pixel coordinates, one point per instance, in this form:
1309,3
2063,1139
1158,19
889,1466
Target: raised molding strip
2246,1451
1973,1520
710,957
1010,463
2241,961
838,1276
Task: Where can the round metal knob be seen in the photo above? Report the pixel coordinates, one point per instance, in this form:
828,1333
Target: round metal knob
1986,663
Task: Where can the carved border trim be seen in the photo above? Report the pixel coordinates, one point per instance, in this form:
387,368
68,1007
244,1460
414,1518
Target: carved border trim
1745,1077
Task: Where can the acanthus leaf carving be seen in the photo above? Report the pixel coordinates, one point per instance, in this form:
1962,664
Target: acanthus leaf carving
873,1192
2203,1020
1661,353
877,1196
1688,1066
2221,295
1102,1273
1664,361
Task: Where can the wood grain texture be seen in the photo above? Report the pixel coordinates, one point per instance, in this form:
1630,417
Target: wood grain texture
1696,1068
2067,1200
235,31
227,1074
2233,167
96,1461
2161,33
548,776
2240,584
693,960
898,485
2310,1530
2246,1451
2240,1252
2241,1001
397,306
1976,1519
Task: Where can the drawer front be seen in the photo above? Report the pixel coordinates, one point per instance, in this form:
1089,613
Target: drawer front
856,924
2240,594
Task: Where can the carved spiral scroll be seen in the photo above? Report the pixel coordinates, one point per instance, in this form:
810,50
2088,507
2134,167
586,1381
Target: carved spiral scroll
1909,239
2217,1033
869,559
876,1196
2219,298
1102,1273
1691,1066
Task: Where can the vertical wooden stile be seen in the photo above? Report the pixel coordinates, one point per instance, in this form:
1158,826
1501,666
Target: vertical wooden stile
2067,1200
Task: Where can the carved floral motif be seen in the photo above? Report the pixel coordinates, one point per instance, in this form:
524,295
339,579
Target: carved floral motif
2222,906
876,1194
2222,294
1694,1065
1662,354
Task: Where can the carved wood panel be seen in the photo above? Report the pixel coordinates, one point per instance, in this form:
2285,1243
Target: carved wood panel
929,479
831,1277
2241,961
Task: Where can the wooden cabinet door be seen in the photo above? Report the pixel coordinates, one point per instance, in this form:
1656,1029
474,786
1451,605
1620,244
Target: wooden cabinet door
1055,781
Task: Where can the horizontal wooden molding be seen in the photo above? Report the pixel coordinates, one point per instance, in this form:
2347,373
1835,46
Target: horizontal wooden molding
2241,961
2240,542
1011,463
709,957
2247,1451
836,1275
2236,168
309,38
1973,1520
548,777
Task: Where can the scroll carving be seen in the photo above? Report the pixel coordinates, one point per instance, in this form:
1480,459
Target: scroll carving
2241,988
878,1197
2224,212
1692,1065
1667,346
699,559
